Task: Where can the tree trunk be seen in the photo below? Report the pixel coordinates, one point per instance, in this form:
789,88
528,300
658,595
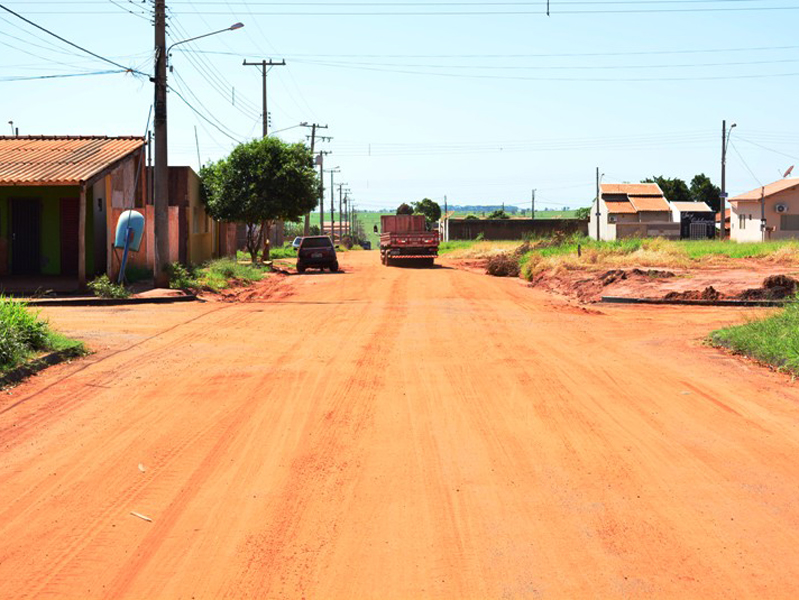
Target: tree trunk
266,227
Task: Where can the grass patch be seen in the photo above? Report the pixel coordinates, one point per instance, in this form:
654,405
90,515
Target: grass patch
23,335
773,340
215,275
105,288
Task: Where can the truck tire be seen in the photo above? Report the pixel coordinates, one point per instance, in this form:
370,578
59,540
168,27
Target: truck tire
300,268
334,267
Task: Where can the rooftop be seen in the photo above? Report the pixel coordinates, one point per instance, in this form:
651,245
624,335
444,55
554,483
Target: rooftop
769,190
60,160
632,189
692,206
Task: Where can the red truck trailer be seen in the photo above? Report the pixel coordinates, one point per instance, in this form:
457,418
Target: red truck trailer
405,238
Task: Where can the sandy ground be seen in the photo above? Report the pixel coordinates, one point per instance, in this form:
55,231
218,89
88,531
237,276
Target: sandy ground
399,433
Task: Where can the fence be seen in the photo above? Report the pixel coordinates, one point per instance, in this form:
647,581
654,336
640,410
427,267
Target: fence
512,229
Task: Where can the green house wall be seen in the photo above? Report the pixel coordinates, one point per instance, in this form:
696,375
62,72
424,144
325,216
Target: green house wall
50,197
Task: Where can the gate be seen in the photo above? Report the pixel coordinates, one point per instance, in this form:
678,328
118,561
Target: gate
699,231
70,210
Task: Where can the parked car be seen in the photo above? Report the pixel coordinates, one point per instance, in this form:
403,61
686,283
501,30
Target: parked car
366,245
316,252
296,243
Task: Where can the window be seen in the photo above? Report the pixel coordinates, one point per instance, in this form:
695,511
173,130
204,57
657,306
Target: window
789,222
742,221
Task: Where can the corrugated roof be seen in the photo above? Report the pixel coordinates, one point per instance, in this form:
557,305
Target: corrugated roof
632,189
691,207
649,203
618,208
60,160
770,189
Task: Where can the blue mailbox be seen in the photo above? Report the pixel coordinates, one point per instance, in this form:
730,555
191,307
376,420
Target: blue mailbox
133,221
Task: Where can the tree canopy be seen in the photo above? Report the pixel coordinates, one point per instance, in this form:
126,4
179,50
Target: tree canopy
404,209
674,189
701,190
260,182
499,214
431,210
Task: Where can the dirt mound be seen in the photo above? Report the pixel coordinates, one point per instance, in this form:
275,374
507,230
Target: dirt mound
775,287
709,293
615,275
270,288
503,265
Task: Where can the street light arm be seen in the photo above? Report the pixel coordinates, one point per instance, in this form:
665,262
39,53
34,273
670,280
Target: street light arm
231,28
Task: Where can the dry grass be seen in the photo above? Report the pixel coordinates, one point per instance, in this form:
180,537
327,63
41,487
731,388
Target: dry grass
476,250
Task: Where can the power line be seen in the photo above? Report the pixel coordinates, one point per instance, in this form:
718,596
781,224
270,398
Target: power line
202,116
745,164
57,76
74,45
765,148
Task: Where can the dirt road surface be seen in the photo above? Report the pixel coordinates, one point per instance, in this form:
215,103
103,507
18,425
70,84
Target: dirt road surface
399,433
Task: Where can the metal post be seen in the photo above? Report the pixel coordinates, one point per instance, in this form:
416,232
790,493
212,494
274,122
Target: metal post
598,200
722,197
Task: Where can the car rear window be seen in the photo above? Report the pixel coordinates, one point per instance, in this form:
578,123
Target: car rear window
316,243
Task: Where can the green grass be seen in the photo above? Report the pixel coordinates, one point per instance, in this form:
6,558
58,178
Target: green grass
23,335
215,275
773,340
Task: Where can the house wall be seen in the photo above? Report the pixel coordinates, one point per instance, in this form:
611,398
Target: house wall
655,217
513,229
750,231
50,226
664,229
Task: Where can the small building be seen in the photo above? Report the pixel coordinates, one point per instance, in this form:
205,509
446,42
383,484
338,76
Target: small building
631,210
770,212
697,220
56,199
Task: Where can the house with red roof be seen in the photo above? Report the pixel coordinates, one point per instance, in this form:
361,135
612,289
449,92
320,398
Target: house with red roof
628,210
770,212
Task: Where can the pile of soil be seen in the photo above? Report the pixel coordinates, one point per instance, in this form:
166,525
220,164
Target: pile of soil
618,274
775,287
709,293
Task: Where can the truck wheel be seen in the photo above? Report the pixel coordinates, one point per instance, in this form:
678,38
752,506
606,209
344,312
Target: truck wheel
334,267
300,268
430,262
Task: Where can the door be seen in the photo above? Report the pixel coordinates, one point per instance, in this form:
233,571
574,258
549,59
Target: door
69,236
26,235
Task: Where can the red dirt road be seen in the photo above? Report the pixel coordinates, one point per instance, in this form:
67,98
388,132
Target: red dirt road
399,433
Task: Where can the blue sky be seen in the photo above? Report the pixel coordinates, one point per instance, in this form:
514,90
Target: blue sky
481,108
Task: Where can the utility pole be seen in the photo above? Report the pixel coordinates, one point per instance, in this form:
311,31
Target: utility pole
332,206
598,212
532,213
161,170
263,64
340,212
314,127
725,139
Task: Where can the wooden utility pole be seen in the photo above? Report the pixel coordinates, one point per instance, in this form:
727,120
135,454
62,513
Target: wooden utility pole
161,170
725,139
598,200
532,213
263,64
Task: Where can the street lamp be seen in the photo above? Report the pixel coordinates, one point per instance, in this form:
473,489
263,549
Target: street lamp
725,141
161,168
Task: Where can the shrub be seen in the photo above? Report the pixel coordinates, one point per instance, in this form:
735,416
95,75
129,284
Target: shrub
104,288
480,237
23,333
503,265
180,278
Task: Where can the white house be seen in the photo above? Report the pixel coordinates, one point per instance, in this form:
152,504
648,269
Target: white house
775,205
631,210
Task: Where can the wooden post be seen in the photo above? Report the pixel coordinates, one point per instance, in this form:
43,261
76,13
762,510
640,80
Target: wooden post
82,238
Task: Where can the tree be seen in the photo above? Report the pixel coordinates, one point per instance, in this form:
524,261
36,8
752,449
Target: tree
259,183
431,210
404,209
499,214
583,213
703,190
674,189
471,217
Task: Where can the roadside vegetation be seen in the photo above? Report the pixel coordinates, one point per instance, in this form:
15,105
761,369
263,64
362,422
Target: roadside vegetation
773,340
579,252
215,275
24,335
103,287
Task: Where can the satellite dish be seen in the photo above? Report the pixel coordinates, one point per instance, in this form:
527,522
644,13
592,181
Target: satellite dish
788,172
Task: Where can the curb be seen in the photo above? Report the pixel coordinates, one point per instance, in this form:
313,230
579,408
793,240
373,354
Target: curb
88,301
40,364
762,303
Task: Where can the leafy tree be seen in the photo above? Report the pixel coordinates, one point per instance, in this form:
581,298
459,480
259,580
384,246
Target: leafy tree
431,210
703,190
471,217
259,183
499,214
674,189
583,213
404,209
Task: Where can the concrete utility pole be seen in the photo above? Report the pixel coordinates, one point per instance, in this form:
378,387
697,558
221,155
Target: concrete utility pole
340,212
725,140
161,170
263,64
332,204
321,162
598,199
314,127
532,214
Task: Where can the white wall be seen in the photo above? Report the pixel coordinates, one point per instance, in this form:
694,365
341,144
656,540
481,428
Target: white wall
748,228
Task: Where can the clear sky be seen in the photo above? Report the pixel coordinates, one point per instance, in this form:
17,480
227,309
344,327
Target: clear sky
478,101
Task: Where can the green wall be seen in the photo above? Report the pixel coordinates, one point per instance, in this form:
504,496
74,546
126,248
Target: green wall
50,197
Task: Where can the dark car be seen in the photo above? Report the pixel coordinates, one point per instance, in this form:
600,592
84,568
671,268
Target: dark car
316,252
